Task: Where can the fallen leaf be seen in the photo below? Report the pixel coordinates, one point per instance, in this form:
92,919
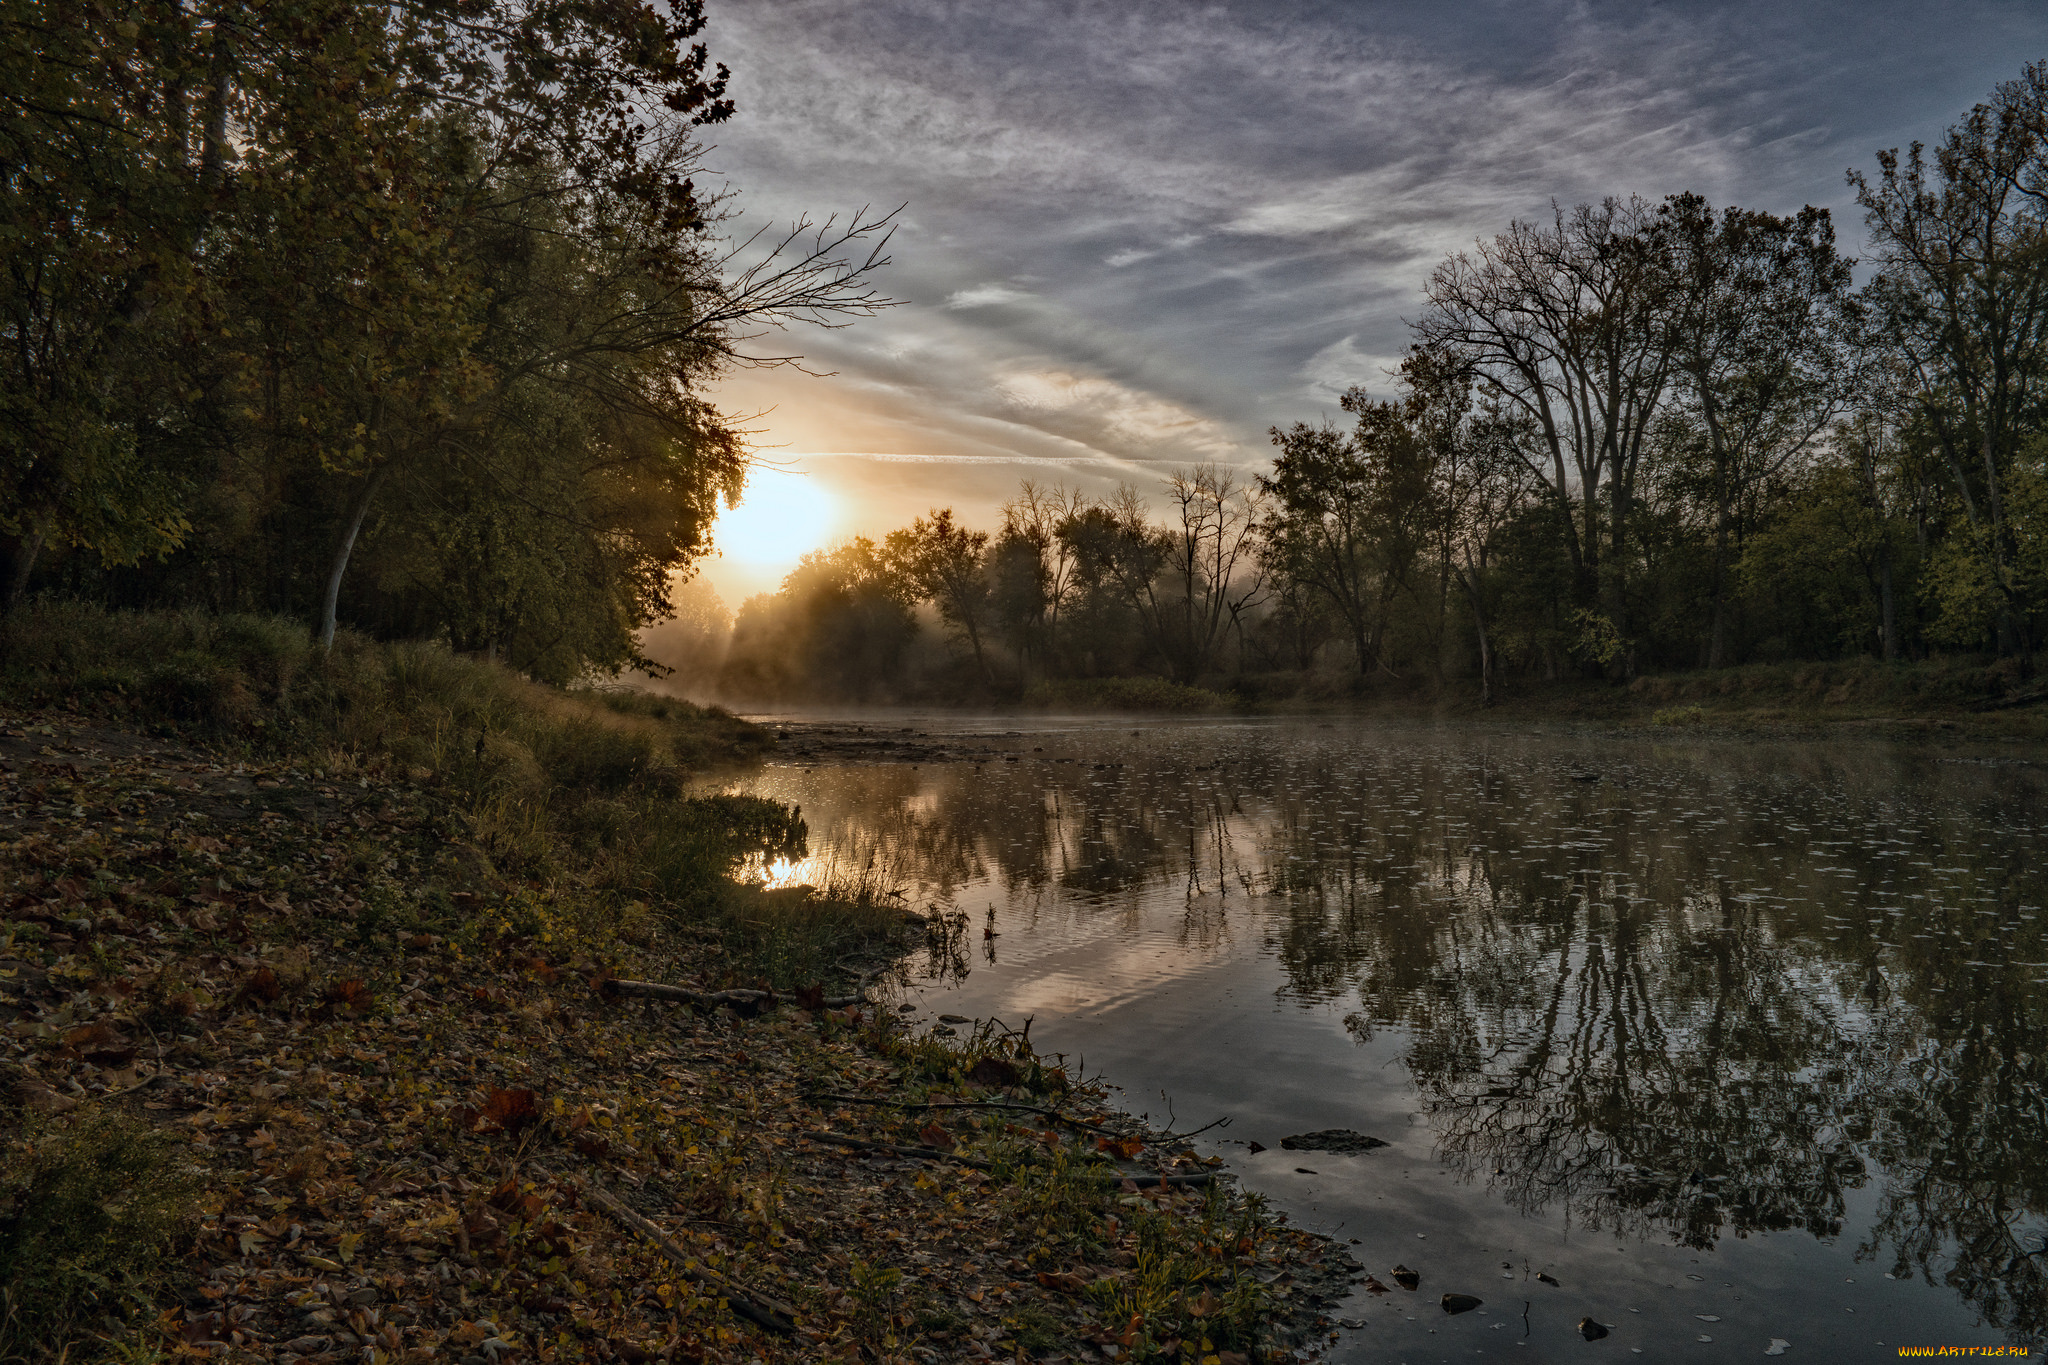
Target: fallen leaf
512,1110
1406,1278
1591,1330
1460,1303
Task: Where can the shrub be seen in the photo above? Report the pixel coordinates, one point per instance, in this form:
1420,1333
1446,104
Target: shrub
91,1206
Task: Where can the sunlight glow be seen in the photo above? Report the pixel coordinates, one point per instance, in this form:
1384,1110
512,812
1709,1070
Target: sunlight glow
783,515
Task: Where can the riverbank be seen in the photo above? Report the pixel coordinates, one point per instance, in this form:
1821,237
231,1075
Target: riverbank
1987,699
314,1051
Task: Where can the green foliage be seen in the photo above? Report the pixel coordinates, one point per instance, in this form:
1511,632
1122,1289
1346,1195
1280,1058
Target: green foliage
1122,694
91,1207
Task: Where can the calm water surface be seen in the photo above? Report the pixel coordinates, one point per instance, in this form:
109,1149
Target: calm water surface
1738,1041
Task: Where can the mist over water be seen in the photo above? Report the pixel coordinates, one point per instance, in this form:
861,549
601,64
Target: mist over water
1737,1041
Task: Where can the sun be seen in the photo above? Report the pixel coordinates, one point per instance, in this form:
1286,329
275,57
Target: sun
783,515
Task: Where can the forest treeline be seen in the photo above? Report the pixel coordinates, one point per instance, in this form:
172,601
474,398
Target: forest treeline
402,317
1636,436
398,315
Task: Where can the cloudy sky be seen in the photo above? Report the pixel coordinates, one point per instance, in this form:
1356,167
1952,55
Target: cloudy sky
1136,235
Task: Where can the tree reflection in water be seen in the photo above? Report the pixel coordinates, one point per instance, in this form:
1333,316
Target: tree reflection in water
1690,993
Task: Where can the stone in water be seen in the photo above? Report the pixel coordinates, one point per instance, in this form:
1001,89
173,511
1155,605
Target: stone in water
1342,1141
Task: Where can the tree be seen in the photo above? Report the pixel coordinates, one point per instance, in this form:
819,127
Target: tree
947,564
1209,566
1033,569
1565,325
1475,483
1762,336
1962,292
1346,516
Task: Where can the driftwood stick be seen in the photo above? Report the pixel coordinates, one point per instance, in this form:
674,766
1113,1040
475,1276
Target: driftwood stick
922,1153
758,1309
968,1104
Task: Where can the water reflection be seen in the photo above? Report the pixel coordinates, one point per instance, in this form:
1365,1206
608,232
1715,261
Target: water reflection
1677,993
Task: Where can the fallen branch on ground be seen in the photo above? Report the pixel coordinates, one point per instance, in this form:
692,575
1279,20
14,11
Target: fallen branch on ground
759,1309
922,1153
711,1000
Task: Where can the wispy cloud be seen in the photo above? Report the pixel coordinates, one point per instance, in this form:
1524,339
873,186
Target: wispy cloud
1156,229
984,296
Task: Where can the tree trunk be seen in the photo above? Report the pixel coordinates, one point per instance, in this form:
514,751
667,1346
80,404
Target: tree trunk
344,550
25,555
1717,631
1888,608
1485,640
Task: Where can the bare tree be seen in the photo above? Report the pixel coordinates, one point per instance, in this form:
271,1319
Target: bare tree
1566,325
1210,566
1185,578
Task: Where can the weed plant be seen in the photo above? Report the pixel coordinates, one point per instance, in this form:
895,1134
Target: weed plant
90,1205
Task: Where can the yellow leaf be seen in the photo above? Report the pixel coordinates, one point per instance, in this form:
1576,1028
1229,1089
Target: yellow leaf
349,1242
322,1262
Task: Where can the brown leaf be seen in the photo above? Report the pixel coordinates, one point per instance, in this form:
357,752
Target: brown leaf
512,1110
1124,1147
935,1136
350,994
811,998
262,985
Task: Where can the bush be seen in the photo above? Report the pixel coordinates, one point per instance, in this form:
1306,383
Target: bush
1123,694
91,1206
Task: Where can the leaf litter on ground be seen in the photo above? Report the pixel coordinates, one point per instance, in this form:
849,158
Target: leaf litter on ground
423,1131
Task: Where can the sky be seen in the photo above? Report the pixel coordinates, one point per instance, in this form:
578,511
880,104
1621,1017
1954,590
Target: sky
1132,237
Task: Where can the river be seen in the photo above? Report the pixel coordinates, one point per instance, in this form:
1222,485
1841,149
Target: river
1740,1042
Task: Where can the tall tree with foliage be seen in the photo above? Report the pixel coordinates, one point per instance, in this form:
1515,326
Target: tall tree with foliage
1962,247
1763,336
946,563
